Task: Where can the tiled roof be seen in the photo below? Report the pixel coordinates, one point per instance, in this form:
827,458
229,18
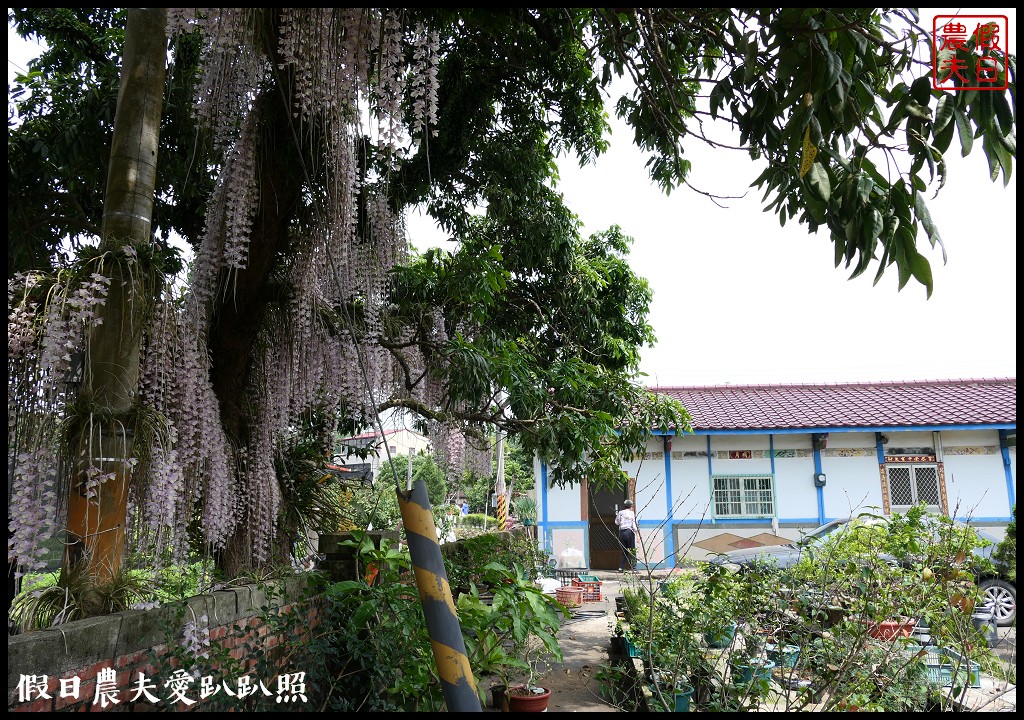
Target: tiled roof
868,404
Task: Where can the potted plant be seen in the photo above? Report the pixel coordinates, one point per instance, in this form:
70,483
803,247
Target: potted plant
525,508
529,696
672,689
749,669
783,655
519,620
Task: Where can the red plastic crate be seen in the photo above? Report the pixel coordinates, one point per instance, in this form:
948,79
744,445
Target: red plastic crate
591,585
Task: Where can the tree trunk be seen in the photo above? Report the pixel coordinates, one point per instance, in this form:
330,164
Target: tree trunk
241,312
97,500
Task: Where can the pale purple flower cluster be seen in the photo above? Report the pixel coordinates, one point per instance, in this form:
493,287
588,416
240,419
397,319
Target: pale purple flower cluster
196,638
32,509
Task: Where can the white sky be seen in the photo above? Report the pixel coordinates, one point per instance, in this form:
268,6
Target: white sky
737,299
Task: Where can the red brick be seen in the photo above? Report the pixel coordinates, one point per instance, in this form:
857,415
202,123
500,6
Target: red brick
37,705
131,658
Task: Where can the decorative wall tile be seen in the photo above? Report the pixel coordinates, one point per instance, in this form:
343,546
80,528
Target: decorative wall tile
680,454
971,450
794,453
909,458
848,452
910,451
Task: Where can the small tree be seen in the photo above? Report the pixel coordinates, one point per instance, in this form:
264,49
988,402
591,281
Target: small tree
1006,551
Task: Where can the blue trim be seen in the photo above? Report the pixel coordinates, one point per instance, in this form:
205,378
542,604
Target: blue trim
563,524
846,428
741,521
711,484
974,520
544,491
879,448
775,484
817,469
1004,450
670,542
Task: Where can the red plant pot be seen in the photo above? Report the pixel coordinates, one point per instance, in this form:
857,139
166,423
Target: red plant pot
891,629
520,699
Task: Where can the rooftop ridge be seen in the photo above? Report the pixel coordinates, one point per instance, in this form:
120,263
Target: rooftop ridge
837,384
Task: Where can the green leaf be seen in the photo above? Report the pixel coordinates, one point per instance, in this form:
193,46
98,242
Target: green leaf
925,217
941,140
921,270
944,112
921,90
1003,113
872,227
963,127
718,95
817,180
833,66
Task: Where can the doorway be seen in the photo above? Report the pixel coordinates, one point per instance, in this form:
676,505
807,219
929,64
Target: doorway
605,551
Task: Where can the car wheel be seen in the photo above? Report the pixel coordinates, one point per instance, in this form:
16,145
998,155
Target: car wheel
1002,597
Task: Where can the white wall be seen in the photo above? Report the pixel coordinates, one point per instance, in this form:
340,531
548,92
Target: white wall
974,477
969,456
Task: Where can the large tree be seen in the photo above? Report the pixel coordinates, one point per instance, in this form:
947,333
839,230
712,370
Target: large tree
314,130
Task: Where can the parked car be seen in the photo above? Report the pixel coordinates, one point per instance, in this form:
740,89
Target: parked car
999,591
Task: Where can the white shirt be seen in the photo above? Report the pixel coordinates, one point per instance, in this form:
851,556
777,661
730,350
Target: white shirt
625,519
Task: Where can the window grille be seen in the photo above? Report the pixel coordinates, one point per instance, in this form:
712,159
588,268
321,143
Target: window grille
744,496
912,484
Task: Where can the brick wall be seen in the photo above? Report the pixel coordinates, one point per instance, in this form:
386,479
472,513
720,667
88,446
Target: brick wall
111,651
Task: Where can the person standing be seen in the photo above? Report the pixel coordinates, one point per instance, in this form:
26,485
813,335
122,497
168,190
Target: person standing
625,521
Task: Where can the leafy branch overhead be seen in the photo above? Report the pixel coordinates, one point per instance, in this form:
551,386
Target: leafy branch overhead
293,142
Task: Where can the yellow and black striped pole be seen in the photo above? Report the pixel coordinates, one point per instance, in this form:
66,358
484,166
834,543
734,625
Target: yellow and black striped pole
502,512
457,684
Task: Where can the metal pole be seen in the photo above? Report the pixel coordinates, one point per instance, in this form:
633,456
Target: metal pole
457,683
499,483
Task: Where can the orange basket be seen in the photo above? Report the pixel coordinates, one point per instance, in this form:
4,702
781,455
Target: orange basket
571,597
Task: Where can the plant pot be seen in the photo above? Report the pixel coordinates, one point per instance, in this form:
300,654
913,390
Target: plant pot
619,645
682,699
753,669
632,650
782,655
892,629
499,697
722,637
524,699
983,623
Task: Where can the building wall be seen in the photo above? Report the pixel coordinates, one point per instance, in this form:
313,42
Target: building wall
975,470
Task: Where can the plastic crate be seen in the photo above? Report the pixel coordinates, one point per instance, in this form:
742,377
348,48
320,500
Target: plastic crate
591,585
951,665
944,665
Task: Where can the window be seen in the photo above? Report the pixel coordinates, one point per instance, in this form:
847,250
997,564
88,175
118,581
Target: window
912,484
744,496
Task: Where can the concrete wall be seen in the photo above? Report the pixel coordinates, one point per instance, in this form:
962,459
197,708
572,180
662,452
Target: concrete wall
125,642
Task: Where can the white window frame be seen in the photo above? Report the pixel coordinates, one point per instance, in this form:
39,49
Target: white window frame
913,467
748,500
